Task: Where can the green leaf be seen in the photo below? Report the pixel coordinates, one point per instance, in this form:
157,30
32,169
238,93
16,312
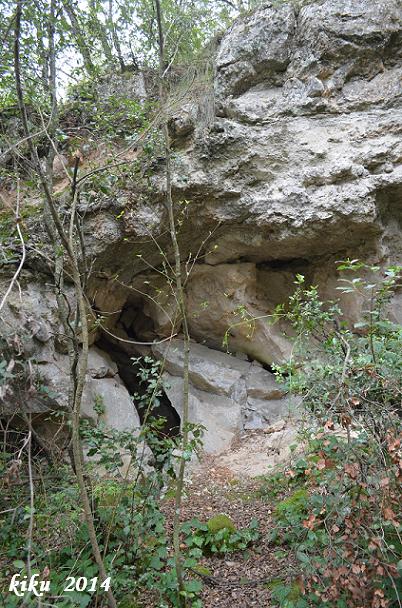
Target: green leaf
193,586
156,563
198,540
302,557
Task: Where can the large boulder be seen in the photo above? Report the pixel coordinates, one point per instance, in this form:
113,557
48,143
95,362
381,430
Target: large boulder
220,415
209,370
103,391
226,394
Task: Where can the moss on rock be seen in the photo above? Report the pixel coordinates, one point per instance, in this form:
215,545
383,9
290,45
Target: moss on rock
219,522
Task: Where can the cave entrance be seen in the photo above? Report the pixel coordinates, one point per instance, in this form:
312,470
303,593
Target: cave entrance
129,374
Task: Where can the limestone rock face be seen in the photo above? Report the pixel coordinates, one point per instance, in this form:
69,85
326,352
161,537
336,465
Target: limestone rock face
304,159
297,166
226,305
255,48
296,163
301,166
319,48
34,340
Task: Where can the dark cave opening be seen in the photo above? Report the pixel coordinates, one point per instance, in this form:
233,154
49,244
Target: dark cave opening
129,373
268,368
134,322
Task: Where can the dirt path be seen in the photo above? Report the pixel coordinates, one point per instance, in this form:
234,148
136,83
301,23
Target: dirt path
226,484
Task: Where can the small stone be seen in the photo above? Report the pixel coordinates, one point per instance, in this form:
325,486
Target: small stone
315,88
42,334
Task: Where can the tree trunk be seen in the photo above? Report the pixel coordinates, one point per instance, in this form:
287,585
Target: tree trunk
80,359
79,36
180,297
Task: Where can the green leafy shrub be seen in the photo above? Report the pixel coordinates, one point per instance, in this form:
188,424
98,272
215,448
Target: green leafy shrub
129,520
291,509
288,595
218,535
346,531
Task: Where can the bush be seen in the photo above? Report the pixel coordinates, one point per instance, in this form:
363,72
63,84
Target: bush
219,535
128,516
346,529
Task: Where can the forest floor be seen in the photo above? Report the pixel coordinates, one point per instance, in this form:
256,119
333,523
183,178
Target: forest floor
231,483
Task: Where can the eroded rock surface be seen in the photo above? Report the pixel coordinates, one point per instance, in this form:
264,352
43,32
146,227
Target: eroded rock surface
226,394
31,330
295,163
259,452
299,166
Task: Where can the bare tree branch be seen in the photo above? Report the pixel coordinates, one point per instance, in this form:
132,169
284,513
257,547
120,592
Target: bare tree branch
23,257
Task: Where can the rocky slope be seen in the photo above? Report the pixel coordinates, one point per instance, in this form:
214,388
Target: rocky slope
295,164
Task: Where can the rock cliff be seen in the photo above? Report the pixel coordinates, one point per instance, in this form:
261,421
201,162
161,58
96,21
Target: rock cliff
294,162
299,167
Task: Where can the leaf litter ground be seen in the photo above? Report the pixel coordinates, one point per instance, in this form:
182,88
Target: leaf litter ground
240,579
